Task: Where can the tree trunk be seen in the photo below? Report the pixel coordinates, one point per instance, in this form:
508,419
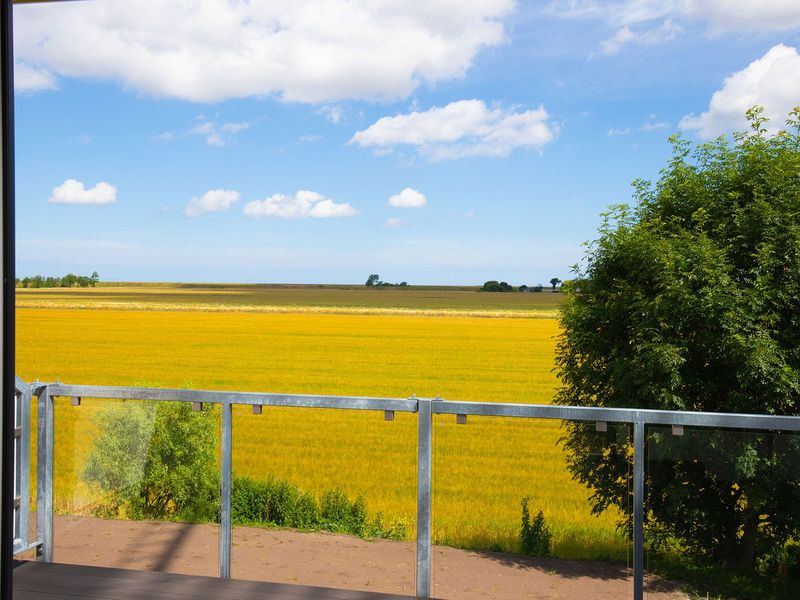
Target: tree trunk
747,546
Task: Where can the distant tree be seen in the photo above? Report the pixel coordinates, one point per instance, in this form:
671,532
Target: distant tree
373,279
554,282
538,287
691,301
523,288
496,286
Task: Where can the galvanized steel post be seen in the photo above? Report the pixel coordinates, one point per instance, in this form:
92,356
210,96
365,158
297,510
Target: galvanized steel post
225,492
638,510
44,474
23,449
424,460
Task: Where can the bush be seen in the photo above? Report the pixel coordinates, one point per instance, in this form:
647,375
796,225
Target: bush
155,461
281,504
535,539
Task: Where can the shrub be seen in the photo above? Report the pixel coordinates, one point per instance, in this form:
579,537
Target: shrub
535,539
339,514
155,462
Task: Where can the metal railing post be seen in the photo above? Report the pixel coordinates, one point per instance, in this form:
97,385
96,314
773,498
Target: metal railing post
23,491
225,491
638,510
424,460
44,474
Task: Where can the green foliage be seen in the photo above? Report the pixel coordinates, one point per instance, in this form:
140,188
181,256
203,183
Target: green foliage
372,280
156,462
535,538
691,301
554,282
278,503
69,280
496,286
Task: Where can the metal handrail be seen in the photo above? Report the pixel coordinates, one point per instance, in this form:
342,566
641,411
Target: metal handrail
425,408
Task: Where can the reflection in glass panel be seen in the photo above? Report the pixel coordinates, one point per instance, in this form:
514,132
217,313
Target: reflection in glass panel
324,497
724,507
509,519
136,485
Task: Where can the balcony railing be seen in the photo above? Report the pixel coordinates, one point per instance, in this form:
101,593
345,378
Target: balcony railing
424,408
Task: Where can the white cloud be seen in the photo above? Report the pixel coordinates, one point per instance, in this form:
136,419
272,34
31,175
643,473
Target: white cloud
165,136
654,36
218,135
235,127
332,113
393,223
72,191
462,128
29,79
612,132
654,126
650,22
211,201
408,198
212,50
301,205
772,81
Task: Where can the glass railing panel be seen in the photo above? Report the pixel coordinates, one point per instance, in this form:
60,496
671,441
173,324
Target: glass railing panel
136,485
324,497
723,511
511,521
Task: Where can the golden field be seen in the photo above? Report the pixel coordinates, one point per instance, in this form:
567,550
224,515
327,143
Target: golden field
481,470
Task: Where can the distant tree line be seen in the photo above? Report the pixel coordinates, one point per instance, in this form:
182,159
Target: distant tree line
502,286
67,281
374,280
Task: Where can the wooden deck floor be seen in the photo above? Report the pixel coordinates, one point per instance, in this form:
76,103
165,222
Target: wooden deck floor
51,581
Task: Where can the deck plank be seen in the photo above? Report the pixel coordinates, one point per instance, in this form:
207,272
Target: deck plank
52,581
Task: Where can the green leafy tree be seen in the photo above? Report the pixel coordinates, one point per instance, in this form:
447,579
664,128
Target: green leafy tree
554,282
156,461
372,280
496,286
691,301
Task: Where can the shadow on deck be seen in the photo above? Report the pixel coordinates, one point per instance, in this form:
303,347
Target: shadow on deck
52,581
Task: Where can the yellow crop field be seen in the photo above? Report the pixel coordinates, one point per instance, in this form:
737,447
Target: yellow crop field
481,469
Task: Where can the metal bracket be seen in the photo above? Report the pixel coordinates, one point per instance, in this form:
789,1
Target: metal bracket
388,415
677,430
76,400
461,419
197,406
601,426
258,409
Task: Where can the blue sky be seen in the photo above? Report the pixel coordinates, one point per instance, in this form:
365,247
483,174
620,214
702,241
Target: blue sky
434,142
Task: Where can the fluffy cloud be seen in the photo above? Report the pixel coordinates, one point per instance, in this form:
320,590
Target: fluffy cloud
772,81
408,198
211,201
650,22
212,50
72,191
462,128
27,78
299,206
